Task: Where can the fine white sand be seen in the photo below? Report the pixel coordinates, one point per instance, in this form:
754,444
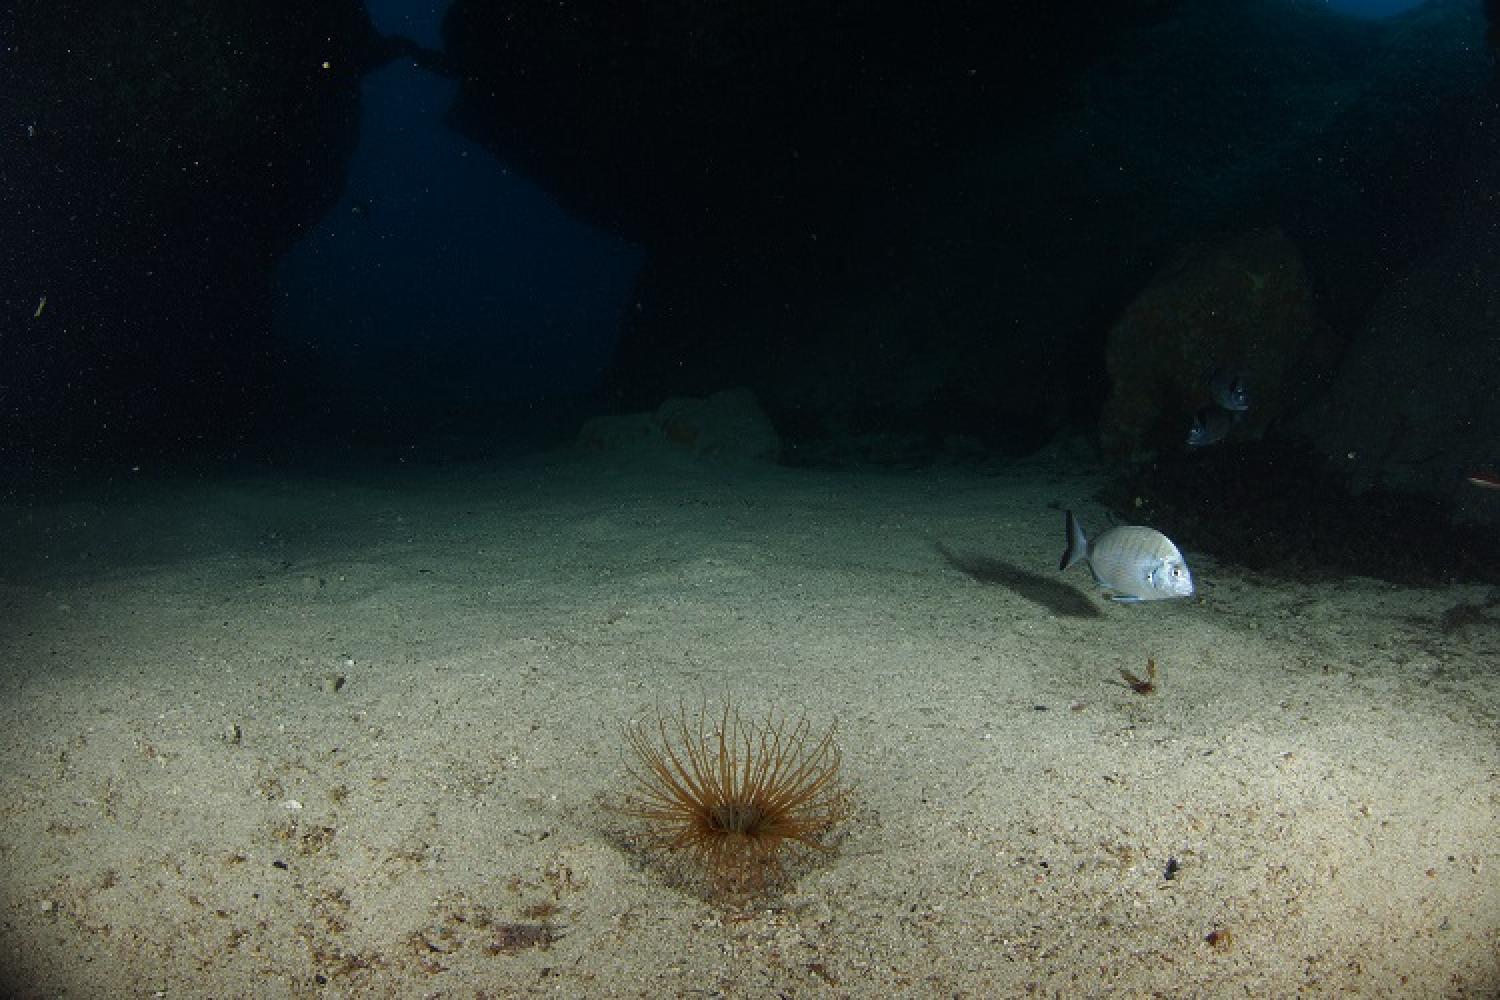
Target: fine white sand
329,735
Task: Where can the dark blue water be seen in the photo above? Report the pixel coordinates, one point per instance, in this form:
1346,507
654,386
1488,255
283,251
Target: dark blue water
1372,8
444,282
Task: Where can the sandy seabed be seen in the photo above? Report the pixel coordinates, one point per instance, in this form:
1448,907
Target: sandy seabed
356,735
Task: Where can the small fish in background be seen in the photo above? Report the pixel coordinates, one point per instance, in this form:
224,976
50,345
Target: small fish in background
1135,564
1231,399
1230,389
1210,426
1484,480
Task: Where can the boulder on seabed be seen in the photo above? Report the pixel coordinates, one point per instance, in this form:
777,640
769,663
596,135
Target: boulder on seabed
1414,407
1243,304
727,424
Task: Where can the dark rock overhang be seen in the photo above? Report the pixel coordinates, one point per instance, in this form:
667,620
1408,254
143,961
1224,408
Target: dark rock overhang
158,159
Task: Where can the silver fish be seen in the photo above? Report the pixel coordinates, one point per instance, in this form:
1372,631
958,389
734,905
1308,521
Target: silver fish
1230,389
1210,426
1135,564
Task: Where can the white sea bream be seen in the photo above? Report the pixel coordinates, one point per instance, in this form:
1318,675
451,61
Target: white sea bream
1133,563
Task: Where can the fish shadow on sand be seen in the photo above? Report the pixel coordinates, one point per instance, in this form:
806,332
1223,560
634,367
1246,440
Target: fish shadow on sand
1054,595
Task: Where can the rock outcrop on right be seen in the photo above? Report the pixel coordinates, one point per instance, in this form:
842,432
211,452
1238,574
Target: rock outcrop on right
1415,405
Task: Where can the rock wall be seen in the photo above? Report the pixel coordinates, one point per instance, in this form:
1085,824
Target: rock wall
1414,406
885,224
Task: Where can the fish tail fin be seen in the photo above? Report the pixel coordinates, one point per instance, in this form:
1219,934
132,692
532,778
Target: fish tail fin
1078,543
